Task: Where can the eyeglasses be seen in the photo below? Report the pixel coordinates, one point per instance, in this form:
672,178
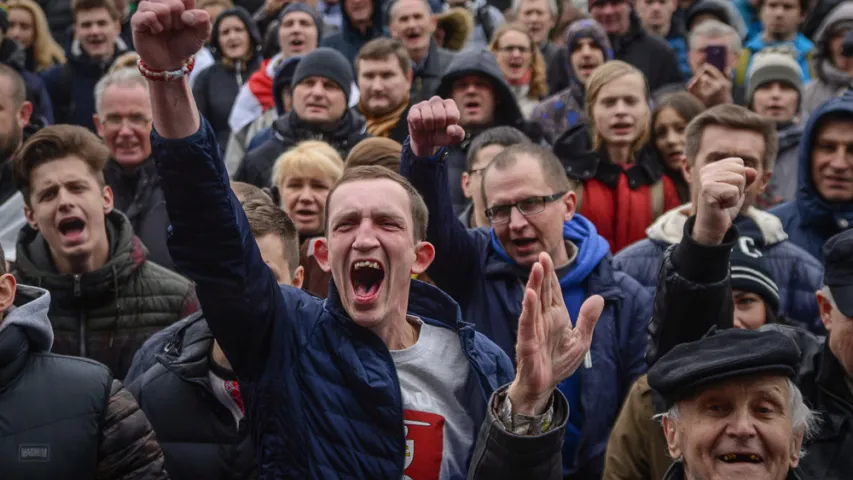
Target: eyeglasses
512,48
500,214
135,120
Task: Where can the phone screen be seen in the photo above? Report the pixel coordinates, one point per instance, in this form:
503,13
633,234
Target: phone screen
716,56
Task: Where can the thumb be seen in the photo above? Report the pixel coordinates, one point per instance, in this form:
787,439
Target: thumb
751,176
456,133
195,18
588,316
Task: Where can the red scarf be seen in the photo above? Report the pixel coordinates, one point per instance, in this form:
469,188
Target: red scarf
524,80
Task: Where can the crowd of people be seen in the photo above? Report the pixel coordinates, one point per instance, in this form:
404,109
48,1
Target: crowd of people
603,239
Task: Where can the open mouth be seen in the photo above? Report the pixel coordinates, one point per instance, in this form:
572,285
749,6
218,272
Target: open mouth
296,42
516,64
97,42
471,105
622,127
72,229
412,35
523,243
741,458
367,277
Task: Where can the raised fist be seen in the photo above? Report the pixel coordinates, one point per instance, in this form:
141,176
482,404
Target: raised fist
167,32
722,190
433,124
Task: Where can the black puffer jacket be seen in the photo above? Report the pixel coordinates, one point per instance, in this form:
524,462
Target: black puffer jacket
695,284
217,86
196,431
289,130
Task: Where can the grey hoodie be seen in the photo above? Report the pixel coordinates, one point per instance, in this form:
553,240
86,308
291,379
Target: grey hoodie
30,313
828,81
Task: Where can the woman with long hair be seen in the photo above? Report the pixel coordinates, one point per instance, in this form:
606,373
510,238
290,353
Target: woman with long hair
622,188
521,64
669,124
28,26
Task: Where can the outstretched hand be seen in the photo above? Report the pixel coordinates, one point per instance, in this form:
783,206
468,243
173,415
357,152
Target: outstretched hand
548,349
433,124
167,32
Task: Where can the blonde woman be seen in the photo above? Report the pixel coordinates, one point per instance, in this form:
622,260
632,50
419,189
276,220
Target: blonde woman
302,178
28,26
622,188
521,64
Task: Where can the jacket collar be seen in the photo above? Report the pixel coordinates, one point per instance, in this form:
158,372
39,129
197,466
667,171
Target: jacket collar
831,375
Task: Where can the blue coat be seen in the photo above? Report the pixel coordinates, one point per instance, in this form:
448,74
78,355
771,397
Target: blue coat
322,395
798,274
489,289
349,39
810,220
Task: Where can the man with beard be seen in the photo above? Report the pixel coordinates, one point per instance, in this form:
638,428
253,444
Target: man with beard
95,45
411,22
15,112
124,122
384,72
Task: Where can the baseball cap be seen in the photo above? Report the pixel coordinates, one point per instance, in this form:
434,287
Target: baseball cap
838,270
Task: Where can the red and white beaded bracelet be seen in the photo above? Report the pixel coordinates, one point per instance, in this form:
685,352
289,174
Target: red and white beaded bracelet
166,75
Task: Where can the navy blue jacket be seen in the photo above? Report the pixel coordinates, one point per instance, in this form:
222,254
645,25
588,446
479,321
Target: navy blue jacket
349,39
490,291
322,395
798,274
810,220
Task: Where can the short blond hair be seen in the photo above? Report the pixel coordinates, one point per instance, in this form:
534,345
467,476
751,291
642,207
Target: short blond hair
603,75
311,158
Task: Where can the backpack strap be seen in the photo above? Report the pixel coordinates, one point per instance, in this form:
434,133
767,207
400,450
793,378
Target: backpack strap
657,194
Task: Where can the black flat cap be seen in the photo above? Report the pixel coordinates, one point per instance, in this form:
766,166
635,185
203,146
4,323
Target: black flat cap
719,356
838,270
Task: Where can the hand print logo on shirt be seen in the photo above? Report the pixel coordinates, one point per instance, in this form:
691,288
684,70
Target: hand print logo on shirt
424,445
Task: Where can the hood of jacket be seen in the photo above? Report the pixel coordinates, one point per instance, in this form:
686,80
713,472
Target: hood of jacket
83,63
458,25
127,254
823,66
375,29
669,227
813,209
482,62
244,16
592,248
29,312
290,129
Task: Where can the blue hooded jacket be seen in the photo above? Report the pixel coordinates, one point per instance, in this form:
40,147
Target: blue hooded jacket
474,269
810,220
349,39
322,395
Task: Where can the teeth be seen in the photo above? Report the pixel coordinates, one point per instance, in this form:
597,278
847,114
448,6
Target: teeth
367,264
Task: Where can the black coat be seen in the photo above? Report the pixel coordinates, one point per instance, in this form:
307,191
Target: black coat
196,431
426,80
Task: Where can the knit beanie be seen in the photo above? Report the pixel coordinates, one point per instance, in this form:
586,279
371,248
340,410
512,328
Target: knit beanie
750,274
773,67
301,7
327,63
4,18
588,28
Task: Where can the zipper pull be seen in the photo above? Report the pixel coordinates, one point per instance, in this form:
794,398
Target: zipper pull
77,285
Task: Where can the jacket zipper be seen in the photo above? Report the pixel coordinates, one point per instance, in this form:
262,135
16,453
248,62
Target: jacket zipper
81,320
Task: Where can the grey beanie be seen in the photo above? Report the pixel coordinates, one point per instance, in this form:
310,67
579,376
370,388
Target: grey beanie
773,67
327,63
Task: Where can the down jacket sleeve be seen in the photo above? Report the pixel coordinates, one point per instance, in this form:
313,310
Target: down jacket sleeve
128,449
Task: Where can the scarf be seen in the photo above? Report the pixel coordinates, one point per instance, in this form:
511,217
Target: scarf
381,126
261,86
524,80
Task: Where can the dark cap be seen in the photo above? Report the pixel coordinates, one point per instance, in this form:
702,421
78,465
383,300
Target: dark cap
838,270
750,273
720,356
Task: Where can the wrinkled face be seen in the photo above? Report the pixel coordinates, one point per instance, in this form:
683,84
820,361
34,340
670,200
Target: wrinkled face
21,27
840,329
359,11
514,52
383,85
750,310
525,237
780,18
777,101
371,249
97,31
472,181
656,15
537,17
475,98
613,15
835,47
585,58
740,429
12,121
297,34
620,111
68,206
832,161
412,24
319,101
718,143
234,42
125,124
696,55
669,131
304,201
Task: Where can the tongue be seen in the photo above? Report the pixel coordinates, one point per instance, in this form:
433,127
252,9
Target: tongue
73,235
366,290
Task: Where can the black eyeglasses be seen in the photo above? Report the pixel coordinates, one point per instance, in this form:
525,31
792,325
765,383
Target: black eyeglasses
500,214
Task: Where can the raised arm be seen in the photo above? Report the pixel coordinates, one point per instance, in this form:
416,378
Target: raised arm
210,240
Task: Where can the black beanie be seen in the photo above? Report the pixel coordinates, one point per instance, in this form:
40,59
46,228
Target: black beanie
327,63
750,274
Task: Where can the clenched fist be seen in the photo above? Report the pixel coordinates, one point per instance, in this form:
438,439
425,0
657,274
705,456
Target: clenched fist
167,32
722,190
433,124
